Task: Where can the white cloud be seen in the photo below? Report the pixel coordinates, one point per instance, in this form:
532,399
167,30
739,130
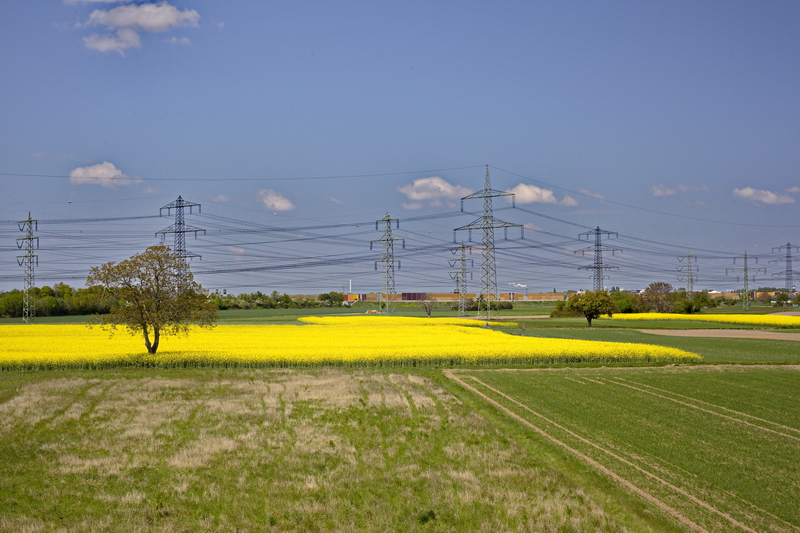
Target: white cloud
152,190
182,40
530,194
661,190
130,19
146,17
587,192
119,42
793,190
335,200
221,198
432,188
412,206
105,174
760,196
275,200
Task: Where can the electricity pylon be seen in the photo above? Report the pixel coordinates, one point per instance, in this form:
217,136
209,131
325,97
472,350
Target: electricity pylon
690,274
180,229
788,273
28,260
487,224
387,258
598,250
460,276
745,271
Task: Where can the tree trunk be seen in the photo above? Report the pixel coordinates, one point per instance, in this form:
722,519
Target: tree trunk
151,346
589,320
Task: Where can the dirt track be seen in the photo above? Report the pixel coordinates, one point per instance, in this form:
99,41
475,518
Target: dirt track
729,333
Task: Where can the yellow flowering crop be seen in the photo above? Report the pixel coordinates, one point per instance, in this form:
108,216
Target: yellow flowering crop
780,321
371,341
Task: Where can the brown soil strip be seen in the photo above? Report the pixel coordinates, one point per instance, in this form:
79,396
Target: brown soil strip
730,333
704,410
630,486
712,405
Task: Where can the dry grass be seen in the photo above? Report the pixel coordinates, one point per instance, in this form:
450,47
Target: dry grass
325,450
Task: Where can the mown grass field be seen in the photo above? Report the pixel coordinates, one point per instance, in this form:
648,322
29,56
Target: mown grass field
709,447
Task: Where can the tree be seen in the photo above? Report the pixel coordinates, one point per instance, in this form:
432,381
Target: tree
591,305
657,295
157,296
427,305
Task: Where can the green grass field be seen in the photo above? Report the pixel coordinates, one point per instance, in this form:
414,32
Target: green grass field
710,447
716,447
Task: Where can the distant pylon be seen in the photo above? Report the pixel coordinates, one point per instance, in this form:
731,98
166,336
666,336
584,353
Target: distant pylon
487,224
28,260
689,272
180,229
460,276
388,260
745,271
598,250
788,272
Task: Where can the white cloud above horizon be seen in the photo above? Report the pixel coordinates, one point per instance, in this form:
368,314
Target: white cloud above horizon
662,190
531,194
105,174
431,191
764,197
130,19
274,200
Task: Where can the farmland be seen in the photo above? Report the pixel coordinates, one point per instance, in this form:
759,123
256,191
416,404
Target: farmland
554,446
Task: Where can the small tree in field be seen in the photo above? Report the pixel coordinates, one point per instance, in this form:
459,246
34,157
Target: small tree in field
427,305
157,296
591,305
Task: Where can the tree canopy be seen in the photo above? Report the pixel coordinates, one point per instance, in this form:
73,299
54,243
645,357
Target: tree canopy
591,304
156,294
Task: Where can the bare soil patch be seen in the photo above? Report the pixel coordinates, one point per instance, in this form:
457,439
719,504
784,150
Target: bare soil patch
729,333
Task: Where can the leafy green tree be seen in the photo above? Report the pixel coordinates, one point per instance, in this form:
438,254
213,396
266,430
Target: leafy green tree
591,305
157,296
781,299
626,302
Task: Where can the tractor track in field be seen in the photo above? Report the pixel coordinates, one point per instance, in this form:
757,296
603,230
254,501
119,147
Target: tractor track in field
668,509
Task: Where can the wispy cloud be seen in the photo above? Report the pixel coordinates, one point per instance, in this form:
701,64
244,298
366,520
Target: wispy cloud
335,200
431,191
593,194
221,198
531,194
105,174
130,19
760,196
661,190
275,200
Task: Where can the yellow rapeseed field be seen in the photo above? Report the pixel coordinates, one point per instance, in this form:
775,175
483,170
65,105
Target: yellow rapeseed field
779,321
351,341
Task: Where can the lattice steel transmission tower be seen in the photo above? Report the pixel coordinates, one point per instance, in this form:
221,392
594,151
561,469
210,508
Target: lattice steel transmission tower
460,275
788,272
387,241
180,229
745,272
690,272
487,224
598,250
28,260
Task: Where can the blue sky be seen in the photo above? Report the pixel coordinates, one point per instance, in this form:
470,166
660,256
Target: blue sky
296,125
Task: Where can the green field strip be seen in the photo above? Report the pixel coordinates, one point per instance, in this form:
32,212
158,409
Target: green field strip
670,499
732,482
724,412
